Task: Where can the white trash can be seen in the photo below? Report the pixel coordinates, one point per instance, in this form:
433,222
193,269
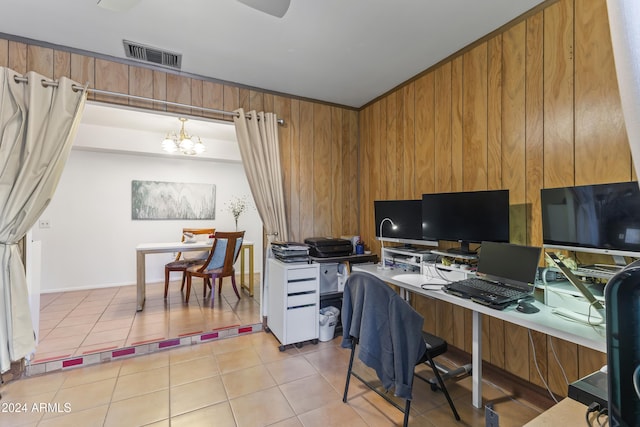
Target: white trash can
328,319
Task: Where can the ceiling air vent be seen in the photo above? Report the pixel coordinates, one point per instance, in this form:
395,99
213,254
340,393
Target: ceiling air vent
151,54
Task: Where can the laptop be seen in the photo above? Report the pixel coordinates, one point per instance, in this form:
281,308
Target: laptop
506,273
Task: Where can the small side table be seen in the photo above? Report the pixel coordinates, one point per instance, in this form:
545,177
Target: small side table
246,245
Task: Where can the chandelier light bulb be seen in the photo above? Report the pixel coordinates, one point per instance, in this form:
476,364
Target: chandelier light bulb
169,143
184,143
199,147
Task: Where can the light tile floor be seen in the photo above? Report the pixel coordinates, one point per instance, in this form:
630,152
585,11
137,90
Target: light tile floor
83,322
243,381
239,381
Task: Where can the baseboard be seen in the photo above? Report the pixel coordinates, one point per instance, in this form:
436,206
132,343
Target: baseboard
38,367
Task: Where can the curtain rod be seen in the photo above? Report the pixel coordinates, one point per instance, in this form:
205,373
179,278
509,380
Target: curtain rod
138,98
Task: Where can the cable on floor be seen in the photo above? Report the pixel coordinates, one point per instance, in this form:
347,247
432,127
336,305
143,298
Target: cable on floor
555,355
535,362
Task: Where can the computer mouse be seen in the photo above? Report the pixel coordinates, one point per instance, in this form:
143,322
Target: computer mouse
527,307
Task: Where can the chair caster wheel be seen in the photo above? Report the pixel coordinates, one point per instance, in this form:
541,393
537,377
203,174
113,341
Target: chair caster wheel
434,387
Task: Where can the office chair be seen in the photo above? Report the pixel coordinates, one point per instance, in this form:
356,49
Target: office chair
219,263
389,334
186,259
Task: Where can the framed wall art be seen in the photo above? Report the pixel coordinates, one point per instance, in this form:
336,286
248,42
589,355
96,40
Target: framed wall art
158,200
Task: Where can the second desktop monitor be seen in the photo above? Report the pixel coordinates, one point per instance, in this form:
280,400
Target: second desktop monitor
466,217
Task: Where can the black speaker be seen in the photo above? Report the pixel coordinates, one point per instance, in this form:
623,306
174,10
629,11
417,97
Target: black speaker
622,302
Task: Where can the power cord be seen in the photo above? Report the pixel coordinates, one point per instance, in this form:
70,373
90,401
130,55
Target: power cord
535,361
597,320
594,407
555,356
600,412
437,271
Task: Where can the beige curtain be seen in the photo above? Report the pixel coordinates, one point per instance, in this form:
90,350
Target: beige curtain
260,151
624,24
38,123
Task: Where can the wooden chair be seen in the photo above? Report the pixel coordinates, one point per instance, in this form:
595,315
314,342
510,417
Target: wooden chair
219,264
187,259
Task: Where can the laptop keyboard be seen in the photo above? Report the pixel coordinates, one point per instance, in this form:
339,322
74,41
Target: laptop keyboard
486,287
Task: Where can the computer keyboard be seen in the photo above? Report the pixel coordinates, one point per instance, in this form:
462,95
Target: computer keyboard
486,287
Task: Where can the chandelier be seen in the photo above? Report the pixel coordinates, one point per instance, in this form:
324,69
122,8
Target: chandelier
183,142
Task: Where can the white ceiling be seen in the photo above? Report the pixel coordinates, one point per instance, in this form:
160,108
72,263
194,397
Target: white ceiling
115,129
346,52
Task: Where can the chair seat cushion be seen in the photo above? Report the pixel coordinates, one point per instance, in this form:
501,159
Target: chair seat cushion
210,271
435,345
183,263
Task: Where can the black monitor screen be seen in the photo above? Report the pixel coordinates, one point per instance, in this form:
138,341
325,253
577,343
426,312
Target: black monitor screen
466,217
601,217
405,214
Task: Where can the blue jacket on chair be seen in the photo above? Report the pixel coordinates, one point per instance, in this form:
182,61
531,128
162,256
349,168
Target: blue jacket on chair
388,329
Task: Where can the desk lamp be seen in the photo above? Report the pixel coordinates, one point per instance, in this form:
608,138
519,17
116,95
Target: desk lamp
393,227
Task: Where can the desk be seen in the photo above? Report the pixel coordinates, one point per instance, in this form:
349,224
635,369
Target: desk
157,248
567,412
544,321
248,246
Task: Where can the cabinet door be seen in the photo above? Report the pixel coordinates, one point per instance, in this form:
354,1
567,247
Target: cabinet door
302,323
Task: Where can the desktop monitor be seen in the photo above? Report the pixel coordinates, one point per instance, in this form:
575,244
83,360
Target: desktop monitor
466,217
406,215
602,218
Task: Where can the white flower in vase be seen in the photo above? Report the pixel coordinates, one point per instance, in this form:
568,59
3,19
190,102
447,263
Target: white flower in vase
237,206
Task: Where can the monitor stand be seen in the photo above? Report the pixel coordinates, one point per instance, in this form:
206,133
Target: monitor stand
462,250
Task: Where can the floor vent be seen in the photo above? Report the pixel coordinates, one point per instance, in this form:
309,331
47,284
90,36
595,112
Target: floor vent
153,55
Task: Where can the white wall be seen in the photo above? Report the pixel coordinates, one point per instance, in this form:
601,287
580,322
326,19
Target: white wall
92,238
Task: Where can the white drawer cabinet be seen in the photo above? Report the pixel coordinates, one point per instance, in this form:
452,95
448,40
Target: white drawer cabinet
294,302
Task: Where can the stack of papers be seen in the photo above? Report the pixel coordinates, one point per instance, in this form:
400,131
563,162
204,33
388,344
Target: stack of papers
290,251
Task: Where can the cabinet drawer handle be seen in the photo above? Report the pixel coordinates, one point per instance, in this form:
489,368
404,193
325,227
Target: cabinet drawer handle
300,306
292,294
308,279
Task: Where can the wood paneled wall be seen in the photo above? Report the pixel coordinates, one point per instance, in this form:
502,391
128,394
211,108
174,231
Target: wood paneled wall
319,142
534,106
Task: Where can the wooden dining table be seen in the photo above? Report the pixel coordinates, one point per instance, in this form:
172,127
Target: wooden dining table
143,249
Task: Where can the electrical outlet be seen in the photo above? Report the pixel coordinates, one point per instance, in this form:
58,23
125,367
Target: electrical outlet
44,223
491,418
